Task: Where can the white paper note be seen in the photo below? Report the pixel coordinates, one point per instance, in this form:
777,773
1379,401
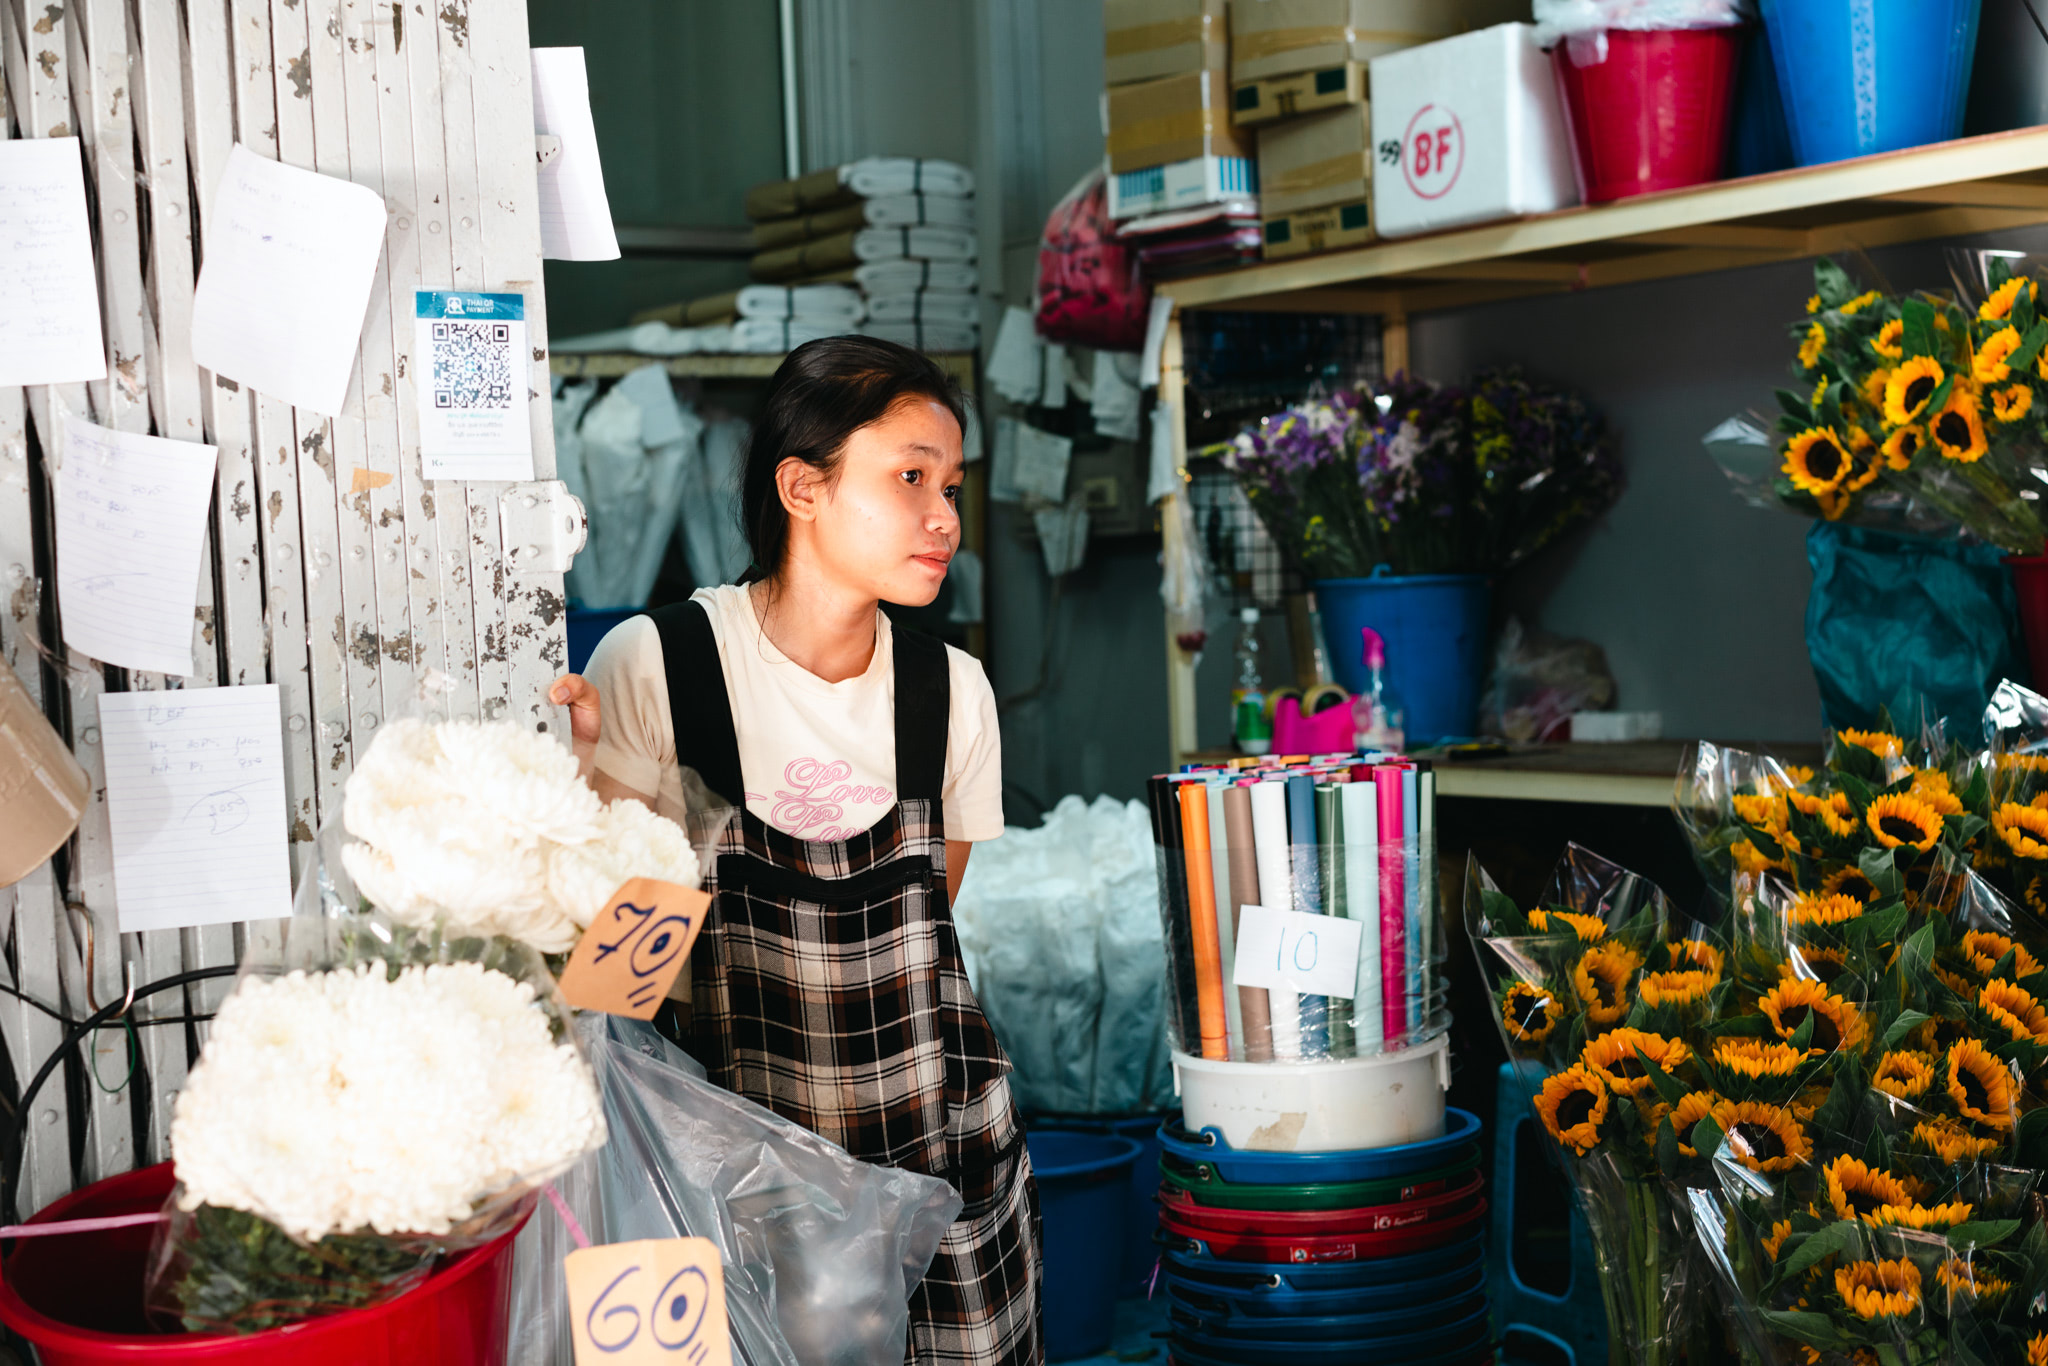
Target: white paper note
1041,464
1314,954
49,296
470,350
290,257
131,538
195,799
575,216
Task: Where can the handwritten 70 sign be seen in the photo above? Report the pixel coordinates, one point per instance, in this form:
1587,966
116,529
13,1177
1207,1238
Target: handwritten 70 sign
629,957
657,1302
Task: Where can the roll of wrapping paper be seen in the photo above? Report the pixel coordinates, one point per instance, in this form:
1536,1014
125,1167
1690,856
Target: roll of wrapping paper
1359,802
1393,908
1276,893
1226,920
1252,1004
1161,796
1411,887
1430,899
1330,857
1194,816
1308,899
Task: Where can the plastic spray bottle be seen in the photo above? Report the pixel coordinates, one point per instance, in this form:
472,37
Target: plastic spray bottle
1377,711
1249,723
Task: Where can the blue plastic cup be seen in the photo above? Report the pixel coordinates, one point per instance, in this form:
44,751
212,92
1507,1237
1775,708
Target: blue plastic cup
1864,76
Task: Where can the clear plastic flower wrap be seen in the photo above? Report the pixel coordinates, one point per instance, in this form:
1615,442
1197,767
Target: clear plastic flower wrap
384,1098
1254,868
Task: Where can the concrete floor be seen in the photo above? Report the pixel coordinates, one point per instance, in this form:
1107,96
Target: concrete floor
1136,1322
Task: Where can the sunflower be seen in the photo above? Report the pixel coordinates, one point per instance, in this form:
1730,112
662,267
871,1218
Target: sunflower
1819,964
1765,813
1990,366
1904,1073
1618,1057
1836,1023
1573,1105
1879,1289
1999,306
2023,828
1907,391
1755,1058
1820,391
1903,819
2024,763
1882,743
2012,404
1823,909
1979,1084
2037,1350
1775,1239
1813,303
1951,1142
1927,1218
1931,785
1901,446
1765,1138
1986,950
2015,1010
1958,1277
1692,1107
1529,1013
1832,811
1815,460
1957,430
1674,988
1588,927
1686,954
1889,341
1850,881
1809,350
1861,302
1749,860
1601,980
1858,1191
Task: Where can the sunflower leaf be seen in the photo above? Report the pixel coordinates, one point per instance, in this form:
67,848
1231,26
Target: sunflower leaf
1883,926
1836,1238
1982,1232
1802,1037
1908,1021
2033,1137
1795,408
1918,335
1917,952
1882,870
1748,1026
1706,1135
1667,1149
1939,398
1832,283
2036,337
1669,1089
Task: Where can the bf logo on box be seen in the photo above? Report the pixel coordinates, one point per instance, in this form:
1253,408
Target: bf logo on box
1431,153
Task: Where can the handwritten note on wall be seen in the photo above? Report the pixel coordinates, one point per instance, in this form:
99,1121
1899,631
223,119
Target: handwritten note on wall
195,798
575,215
49,296
131,537
290,257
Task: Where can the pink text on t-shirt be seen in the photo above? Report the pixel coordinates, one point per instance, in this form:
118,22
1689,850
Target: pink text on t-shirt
818,795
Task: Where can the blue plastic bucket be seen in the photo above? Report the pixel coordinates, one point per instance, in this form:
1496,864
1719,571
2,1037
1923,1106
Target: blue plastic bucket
1252,1168
1435,629
1864,76
1758,141
1083,1181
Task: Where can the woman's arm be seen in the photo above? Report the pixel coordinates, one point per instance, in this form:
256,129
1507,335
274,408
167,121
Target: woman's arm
956,867
580,696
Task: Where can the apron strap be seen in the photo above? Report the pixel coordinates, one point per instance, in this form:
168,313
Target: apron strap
700,713
924,701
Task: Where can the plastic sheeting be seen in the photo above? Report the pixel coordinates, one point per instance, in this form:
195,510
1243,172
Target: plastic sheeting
1060,926
625,456
821,1251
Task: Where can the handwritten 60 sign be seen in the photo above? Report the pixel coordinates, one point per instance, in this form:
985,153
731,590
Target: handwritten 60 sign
649,1303
629,957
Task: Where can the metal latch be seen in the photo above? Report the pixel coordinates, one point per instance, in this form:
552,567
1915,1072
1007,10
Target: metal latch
544,525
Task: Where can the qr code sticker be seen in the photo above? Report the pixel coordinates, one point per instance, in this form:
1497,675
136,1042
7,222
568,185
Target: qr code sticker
472,365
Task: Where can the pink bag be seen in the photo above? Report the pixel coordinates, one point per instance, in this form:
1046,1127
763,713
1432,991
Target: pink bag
1089,289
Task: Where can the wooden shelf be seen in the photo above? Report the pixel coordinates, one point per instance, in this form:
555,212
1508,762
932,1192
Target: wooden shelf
1635,773
613,364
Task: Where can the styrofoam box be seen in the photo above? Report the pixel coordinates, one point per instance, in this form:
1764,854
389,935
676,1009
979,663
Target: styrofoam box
1467,130
1181,185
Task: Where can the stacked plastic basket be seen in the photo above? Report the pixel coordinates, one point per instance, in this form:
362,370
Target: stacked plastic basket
1325,1258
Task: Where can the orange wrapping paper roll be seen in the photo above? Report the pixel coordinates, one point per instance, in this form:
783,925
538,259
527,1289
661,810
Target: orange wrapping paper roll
1194,825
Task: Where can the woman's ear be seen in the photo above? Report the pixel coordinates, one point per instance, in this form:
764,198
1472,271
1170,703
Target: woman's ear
797,485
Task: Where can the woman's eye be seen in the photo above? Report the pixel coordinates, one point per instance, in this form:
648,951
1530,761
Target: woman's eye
913,476
952,493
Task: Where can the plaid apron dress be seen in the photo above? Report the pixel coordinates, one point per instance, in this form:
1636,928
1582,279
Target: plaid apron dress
828,986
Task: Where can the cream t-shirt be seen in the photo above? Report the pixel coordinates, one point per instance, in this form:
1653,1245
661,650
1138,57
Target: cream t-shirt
818,759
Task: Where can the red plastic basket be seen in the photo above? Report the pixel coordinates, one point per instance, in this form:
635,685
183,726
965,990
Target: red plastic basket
1654,115
78,1298
1338,1247
1210,1219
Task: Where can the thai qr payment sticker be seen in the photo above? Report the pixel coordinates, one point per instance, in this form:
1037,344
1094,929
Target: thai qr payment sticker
469,350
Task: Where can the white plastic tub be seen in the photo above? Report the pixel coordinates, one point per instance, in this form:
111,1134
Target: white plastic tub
1315,1107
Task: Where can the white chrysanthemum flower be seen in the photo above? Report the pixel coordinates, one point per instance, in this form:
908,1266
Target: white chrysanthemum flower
346,1101
522,778
634,842
399,773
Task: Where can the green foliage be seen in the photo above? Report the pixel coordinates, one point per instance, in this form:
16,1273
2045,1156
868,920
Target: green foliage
240,1273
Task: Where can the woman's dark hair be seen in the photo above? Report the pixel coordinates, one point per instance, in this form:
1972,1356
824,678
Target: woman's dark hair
822,394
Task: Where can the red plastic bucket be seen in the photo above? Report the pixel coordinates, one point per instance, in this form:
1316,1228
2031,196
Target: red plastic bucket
2030,587
78,1298
1338,1247
1188,1213
1654,115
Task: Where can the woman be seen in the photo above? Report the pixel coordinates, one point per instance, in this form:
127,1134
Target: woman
827,983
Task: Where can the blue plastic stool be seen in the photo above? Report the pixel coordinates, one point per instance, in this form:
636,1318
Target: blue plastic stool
1575,1322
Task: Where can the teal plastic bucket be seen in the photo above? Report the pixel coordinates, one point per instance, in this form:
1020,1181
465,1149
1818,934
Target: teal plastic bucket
1083,1181
1434,626
1864,76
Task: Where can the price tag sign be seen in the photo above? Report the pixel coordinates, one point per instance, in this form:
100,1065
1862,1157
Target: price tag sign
629,957
1317,954
657,1302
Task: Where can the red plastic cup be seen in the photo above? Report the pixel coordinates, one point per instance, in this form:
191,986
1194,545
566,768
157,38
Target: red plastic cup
1654,115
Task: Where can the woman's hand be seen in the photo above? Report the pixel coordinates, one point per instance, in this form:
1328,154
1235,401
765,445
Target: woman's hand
576,692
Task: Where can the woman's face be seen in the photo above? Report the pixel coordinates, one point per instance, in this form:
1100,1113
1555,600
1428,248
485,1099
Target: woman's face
890,522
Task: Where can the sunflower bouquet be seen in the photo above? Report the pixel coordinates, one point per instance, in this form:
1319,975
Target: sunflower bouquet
1937,397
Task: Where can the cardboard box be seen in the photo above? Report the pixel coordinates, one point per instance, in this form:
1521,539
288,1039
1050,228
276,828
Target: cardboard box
1313,230
1147,39
1179,118
1305,92
1468,130
1311,162
1184,184
1279,37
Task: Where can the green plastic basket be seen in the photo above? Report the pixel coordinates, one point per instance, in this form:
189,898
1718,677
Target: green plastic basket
1200,1180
